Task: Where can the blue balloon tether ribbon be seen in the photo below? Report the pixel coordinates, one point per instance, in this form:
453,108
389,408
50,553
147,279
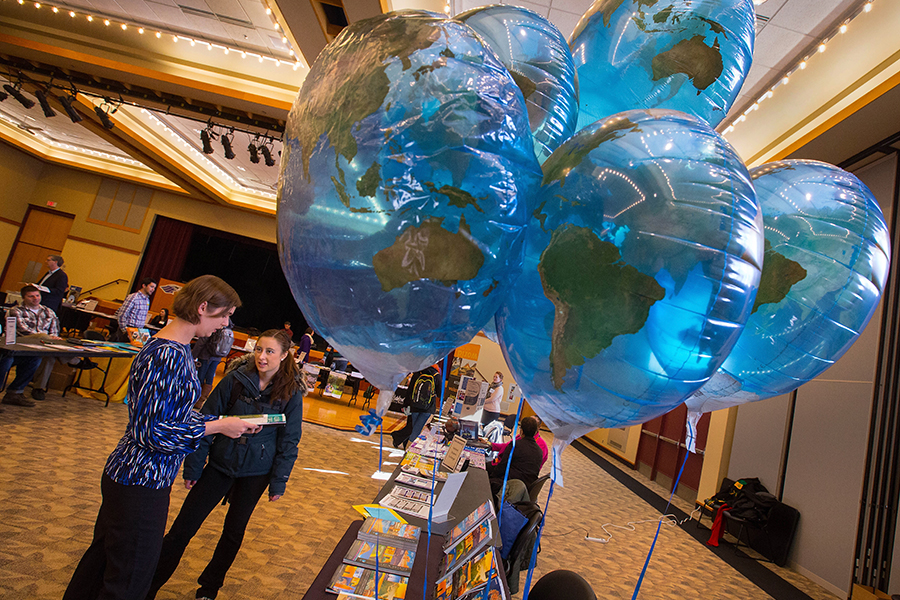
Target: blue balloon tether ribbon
434,467
369,423
537,542
640,580
509,460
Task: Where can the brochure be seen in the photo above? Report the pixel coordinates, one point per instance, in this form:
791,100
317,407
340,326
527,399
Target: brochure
358,582
411,494
391,532
391,559
413,480
464,549
472,575
485,511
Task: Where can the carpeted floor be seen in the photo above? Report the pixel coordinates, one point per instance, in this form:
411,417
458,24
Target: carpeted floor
51,457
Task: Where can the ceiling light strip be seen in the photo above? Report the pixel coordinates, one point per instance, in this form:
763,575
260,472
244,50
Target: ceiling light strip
141,29
821,47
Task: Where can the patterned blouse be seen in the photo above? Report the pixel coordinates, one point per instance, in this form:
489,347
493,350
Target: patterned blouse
162,426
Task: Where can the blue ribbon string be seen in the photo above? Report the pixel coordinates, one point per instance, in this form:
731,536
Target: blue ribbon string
537,542
509,460
640,580
430,513
380,445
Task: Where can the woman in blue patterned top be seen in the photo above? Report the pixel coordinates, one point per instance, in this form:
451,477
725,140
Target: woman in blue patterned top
162,428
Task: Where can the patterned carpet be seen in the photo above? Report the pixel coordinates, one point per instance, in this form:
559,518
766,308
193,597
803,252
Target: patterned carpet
51,457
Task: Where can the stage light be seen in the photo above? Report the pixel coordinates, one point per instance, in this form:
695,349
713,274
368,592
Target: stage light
74,115
207,143
267,154
254,153
15,93
103,115
41,95
3,96
226,145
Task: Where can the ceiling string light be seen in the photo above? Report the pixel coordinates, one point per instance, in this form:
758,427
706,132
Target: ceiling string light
140,29
785,78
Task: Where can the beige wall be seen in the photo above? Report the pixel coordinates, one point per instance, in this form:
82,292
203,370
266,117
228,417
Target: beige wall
31,181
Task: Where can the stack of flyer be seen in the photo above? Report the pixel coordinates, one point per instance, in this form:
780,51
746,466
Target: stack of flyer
414,501
422,466
470,563
387,548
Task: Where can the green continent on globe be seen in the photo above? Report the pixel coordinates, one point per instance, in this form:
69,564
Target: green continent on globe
368,184
596,295
701,63
457,197
344,86
570,154
428,252
779,274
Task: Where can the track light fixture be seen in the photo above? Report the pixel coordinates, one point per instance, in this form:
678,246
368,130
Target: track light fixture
267,154
66,102
254,152
15,93
41,96
206,137
226,144
103,111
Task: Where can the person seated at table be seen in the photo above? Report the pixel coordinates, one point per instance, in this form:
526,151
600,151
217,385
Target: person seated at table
524,461
243,468
306,344
31,318
500,447
133,312
419,404
162,319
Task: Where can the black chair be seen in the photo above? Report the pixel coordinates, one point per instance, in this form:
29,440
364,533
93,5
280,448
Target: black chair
86,364
562,585
773,536
535,488
519,558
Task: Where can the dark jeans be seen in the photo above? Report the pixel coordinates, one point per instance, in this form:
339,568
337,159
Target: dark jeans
415,421
26,367
200,501
207,370
488,416
128,536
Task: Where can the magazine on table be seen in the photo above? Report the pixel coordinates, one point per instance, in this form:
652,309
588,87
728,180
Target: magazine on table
390,532
358,582
473,575
401,491
409,507
390,559
464,549
413,480
485,511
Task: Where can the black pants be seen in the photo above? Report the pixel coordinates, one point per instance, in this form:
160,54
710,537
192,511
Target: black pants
127,539
200,501
488,416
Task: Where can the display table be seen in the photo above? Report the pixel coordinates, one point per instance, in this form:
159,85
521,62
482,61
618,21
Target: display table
475,490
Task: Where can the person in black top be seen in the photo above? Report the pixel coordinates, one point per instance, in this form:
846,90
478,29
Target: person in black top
419,412
56,281
524,462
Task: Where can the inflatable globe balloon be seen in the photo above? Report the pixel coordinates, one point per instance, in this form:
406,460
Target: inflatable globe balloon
641,264
687,55
538,58
408,161
826,262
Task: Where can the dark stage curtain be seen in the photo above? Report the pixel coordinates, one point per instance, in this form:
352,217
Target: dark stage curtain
167,250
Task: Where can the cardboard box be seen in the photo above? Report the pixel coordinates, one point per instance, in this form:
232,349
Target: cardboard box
865,592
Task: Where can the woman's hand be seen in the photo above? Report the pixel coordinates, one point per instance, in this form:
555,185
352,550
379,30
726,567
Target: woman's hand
274,498
233,427
189,483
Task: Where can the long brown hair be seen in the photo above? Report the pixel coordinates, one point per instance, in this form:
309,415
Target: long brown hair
286,380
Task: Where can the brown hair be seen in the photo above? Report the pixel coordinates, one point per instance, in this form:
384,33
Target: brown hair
287,379
206,288
500,374
27,290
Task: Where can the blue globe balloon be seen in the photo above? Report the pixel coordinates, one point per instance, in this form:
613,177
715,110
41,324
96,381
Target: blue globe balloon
642,258
538,57
826,262
408,160
687,55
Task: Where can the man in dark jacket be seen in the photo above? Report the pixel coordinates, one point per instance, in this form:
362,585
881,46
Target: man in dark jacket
524,461
418,413
56,281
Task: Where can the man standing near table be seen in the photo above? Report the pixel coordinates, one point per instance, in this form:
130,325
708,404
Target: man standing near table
133,312
56,281
31,318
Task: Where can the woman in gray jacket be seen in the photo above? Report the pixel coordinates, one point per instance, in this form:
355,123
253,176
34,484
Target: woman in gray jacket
240,468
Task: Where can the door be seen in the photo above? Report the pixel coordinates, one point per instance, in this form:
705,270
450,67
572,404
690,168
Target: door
43,232
662,452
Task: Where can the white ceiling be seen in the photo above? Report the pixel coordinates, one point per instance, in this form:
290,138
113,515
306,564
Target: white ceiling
787,30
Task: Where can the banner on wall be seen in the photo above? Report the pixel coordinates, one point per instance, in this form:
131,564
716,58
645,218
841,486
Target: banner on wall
463,365
470,396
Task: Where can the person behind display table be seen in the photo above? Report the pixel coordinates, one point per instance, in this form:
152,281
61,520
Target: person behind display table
491,410
524,460
242,469
162,428
162,319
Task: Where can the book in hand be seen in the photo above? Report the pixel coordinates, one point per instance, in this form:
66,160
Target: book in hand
389,532
391,559
473,575
485,511
270,419
466,548
358,582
